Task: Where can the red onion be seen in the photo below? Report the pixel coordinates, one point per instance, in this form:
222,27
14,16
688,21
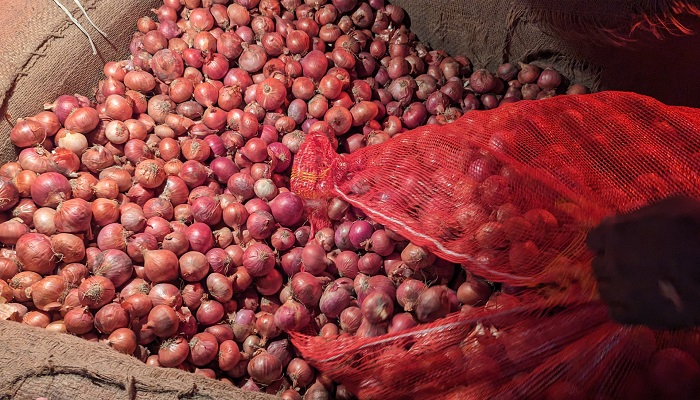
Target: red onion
210,312
35,253
408,292
204,349
173,352
334,300
300,372
370,263
416,257
433,303
377,307
110,318
113,236
292,316
291,261
240,184
11,231
306,288
160,265
114,265
287,208
48,190
314,259
258,259
350,319
269,284
96,291
8,269
402,322
200,237
474,292
360,232
261,224
79,321
219,287
138,305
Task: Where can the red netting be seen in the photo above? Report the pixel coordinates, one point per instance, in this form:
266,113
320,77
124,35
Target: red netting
547,171
511,193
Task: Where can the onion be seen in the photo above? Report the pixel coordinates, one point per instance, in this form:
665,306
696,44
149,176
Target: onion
104,211
408,292
112,236
287,208
306,288
79,321
402,322
240,185
68,248
229,355
377,307
314,258
96,291
334,300
416,257
204,349
346,263
48,294
282,239
360,232
206,210
21,282
219,287
27,133
210,312
48,190
40,319
473,292
265,325
173,352
8,269
135,286
258,259
165,294
160,265
433,303
269,284
11,231
300,372
123,340
133,218
35,253
350,319
292,316
73,216
138,305
265,368
110,318
370,263
163,320
149,173
341,237
200,237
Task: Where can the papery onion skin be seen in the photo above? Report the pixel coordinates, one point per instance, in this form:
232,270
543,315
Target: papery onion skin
35,253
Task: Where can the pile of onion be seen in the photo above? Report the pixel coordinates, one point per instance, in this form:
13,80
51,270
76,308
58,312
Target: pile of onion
157,217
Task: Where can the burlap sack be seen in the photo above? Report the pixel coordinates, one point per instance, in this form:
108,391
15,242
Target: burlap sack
38,363
632,45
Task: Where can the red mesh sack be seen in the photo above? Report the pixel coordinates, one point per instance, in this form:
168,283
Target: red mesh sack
511,194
